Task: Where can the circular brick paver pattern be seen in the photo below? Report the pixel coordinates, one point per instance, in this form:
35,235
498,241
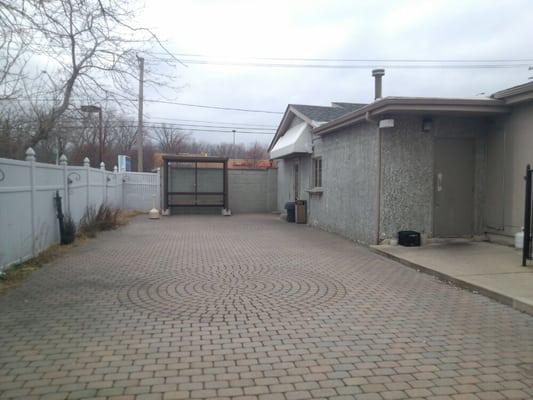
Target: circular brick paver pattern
250,307
233,293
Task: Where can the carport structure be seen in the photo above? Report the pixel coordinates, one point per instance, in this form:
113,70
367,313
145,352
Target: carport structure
195,181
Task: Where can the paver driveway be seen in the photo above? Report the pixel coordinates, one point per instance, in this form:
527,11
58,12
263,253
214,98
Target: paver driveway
252,307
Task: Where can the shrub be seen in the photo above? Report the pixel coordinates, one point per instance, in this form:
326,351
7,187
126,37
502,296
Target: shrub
88,224
103,219
69,230
107,218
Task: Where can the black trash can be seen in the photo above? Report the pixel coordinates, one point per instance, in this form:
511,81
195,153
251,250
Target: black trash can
290,206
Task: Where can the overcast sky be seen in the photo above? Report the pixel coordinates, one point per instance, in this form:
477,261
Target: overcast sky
448,29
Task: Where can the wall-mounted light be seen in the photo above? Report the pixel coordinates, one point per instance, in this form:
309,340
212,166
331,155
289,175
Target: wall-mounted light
427,124
386,123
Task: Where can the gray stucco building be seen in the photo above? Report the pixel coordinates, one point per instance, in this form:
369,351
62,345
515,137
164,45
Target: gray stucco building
444,167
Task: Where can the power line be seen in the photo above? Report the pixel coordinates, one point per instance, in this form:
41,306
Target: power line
212,122
169,124
167,102
229,131
213,107
357,66
187,130
405,60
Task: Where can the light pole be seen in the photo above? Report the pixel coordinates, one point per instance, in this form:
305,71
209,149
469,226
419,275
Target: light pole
92,109
233,136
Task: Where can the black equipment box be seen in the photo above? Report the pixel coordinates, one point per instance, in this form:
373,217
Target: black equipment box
409,238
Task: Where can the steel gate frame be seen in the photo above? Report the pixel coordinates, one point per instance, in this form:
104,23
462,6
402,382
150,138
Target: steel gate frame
195,160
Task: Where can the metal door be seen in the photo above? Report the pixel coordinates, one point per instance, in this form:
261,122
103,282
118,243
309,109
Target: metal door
454,187
195,182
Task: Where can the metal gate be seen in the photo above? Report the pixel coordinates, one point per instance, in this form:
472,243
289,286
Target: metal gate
195,182
526,251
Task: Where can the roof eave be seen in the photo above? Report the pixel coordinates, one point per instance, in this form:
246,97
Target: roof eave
286,120
280,129
516,94
406,105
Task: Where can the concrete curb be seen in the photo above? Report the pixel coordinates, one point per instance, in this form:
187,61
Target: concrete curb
515,303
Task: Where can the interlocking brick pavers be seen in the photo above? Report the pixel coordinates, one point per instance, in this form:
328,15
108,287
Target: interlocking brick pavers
250,307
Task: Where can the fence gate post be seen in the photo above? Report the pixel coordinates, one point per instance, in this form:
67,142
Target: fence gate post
159,187
87,165
526,249
115,177
64,162
104,183
30,157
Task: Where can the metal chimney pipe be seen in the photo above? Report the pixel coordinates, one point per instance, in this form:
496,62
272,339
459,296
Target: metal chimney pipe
377,74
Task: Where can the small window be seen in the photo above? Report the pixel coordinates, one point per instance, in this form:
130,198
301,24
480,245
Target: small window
317,172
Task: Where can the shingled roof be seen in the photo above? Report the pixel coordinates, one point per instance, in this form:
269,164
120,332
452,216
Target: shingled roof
324,113
314,115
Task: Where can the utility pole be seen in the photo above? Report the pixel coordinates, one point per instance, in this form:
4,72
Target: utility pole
233,137
140,117
100,135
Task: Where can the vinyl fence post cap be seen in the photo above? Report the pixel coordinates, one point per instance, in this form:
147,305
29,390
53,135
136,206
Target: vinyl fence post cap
30,154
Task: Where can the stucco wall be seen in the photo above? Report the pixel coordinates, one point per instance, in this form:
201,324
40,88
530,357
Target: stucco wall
348,204
407,178
510,149
408,172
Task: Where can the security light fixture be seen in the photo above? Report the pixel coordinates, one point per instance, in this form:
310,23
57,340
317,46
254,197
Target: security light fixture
427,124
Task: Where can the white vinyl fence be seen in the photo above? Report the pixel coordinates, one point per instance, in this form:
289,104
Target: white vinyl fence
28,218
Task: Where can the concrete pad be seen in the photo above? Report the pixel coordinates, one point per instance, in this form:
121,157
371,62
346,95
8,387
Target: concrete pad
494,270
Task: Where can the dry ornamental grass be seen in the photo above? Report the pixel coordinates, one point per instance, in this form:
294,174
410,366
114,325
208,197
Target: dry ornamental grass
94,221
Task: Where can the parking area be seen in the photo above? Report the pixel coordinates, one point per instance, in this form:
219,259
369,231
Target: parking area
248,307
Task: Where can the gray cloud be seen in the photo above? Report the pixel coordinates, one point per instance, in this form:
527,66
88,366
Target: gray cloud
334,29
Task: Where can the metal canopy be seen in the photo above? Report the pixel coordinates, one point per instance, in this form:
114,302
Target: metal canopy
296,140
195,181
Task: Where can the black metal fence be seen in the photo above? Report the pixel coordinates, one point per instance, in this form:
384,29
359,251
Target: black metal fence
526,252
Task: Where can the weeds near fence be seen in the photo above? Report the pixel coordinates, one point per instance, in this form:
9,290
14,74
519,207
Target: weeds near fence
15,275
93,221
103,219
69,230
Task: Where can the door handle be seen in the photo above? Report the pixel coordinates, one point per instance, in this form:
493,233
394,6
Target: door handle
439,182
439,189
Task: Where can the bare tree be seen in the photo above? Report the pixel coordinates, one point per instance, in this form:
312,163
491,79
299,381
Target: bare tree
256,152
170,139
13,45
90,48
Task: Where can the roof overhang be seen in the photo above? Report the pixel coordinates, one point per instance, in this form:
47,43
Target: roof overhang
516,94
297,140
416,105
288,116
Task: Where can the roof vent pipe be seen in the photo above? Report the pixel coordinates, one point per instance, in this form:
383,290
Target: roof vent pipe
377,74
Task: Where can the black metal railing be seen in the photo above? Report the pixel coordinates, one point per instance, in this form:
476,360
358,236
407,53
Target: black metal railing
526,251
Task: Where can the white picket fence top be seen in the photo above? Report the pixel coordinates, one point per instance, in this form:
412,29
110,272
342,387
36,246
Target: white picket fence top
28,221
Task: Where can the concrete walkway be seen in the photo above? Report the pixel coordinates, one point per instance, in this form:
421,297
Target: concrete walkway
488,268
250,307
